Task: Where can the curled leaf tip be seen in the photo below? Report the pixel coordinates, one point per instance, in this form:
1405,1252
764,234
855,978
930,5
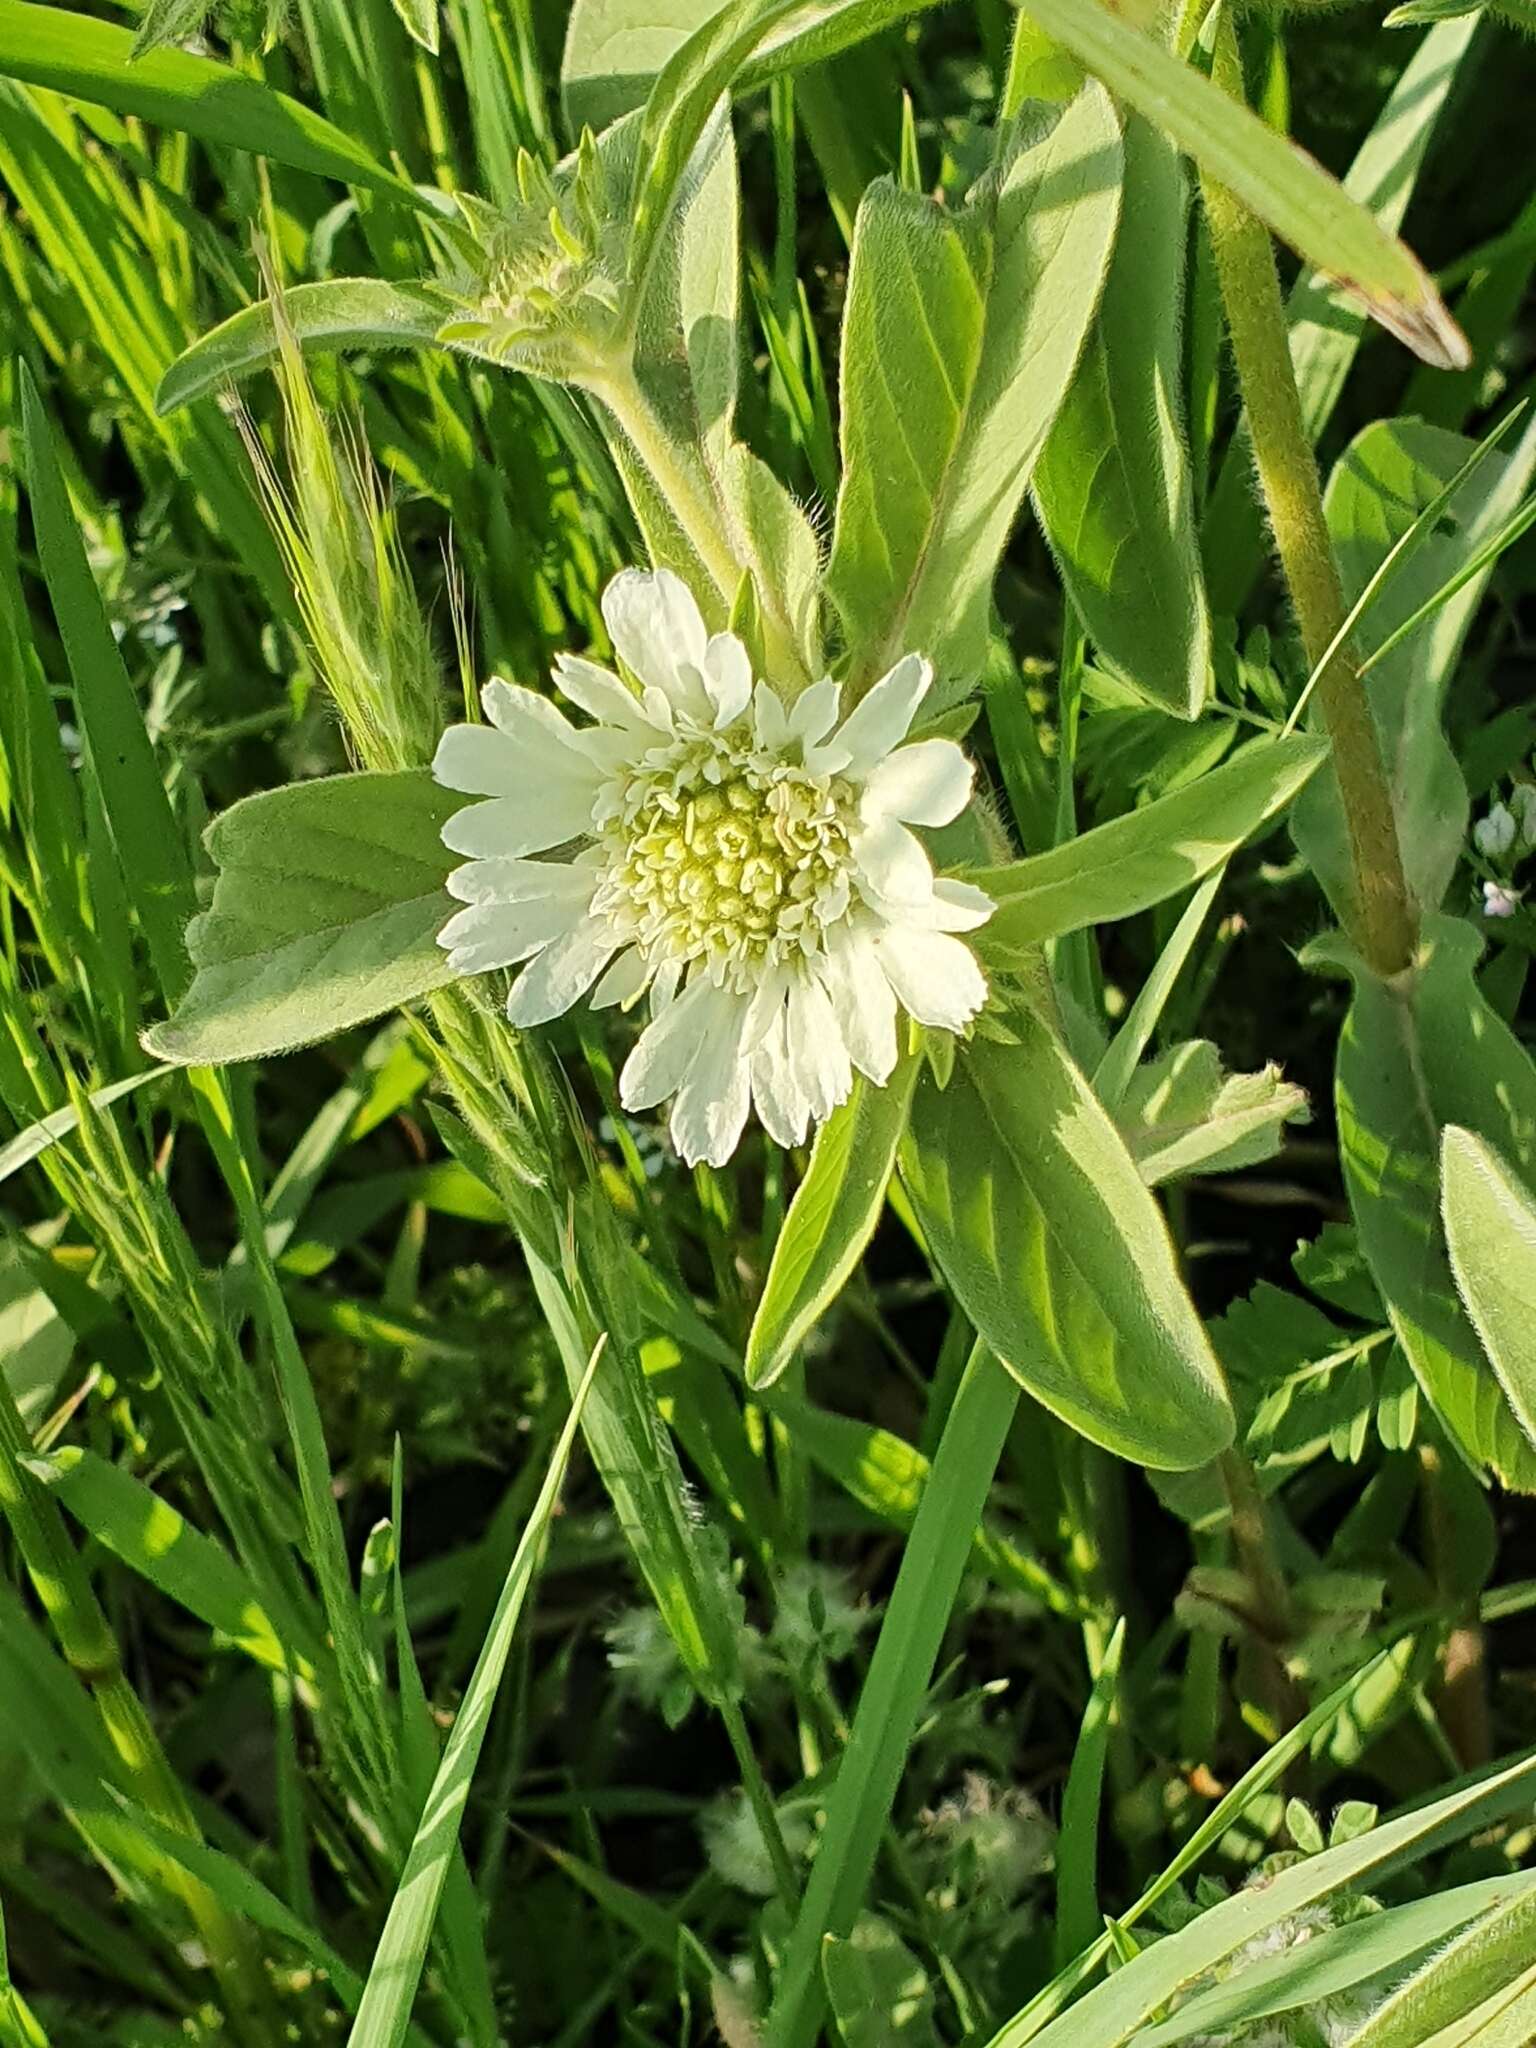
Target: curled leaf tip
1423,325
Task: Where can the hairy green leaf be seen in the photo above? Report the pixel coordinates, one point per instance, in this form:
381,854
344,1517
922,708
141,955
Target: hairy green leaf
1113,485
961,335
1281,184
1384,480
1490,1229
1036,1214
1182,1114
325,913
337,313
1148,855
1326,324
1418,1053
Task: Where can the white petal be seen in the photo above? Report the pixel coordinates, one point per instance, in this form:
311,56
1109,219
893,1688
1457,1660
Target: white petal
863,1002
882,719
814,712
956,907
547,742
664,987
669,1044
623,983
783,1109
711,1107
656,628
599,693
482,761
727,672
499,934
927,783
893,864
766,1008
935,976
542,816
524,881
770,718
818,1057
561,975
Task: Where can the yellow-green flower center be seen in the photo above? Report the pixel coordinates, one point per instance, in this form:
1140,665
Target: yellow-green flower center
737,863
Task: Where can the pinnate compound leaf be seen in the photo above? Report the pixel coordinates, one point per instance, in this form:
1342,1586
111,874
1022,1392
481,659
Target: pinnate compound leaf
337,313
1037,1216
961,336
878,1990
1113,485
1417,1054
1150,854
325,913
830,1220
1182,1114
94,60
1490,1228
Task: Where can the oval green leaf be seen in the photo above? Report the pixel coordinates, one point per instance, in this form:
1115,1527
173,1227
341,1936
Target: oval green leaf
325,913
1040,1222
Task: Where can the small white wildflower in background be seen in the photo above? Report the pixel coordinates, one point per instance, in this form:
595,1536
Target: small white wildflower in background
733,1842
746,859
1494,835
1522,802
1499,901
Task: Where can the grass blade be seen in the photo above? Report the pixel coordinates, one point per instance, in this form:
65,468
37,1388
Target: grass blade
92,60
931,1568
385,2011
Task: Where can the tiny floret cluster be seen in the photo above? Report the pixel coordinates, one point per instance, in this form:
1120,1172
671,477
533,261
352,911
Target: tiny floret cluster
1502,839
745,860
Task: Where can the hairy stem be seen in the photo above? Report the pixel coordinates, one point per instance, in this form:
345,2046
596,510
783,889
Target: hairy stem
1382,922
684,494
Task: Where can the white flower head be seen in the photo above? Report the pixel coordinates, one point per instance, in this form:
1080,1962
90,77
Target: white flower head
748,861
1494,835
1499,900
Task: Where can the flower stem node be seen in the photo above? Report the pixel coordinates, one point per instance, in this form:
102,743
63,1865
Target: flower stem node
745,859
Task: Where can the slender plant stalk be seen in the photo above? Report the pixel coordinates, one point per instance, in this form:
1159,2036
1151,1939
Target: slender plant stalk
1384,924
1461,1696
1273,1610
